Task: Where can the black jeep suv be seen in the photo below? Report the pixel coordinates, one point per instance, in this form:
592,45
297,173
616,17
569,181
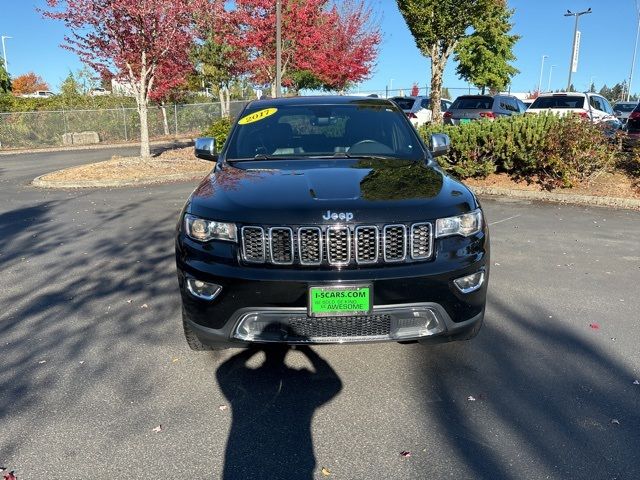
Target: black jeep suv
327,220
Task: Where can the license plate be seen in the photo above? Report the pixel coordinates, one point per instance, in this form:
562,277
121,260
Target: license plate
465,120
340,300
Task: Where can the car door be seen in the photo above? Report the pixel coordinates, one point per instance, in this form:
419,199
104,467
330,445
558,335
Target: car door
423,114
599,107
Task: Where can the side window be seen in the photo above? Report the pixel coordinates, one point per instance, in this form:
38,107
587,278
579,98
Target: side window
424,103
444,105
513,105
595,102
606,106
521,106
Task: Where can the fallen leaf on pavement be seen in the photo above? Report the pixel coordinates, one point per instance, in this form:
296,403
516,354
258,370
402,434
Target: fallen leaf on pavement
594,326
10,476
325,472
636,382
223,407
158,428
405,454
42,361
471,398
615,421
174,360
144,305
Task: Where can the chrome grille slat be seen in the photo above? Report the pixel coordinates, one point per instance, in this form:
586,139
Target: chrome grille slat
253,245
337,245
367,244
281,245
421,241
310,245
394,243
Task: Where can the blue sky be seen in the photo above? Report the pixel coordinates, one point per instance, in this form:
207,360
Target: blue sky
608,35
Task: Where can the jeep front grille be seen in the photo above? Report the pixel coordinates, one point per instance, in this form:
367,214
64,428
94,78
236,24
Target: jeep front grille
337,245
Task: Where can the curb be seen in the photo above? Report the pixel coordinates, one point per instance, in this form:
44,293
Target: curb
568,198
99,146
40,182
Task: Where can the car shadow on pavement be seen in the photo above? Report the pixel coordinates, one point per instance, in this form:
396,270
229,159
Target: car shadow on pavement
272,407
532,394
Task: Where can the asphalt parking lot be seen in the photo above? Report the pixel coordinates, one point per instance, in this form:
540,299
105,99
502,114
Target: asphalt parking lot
93,358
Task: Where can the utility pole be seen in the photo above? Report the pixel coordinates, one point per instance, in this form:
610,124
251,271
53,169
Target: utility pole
575,37
278,48
549,83
4,53
635,50
541,70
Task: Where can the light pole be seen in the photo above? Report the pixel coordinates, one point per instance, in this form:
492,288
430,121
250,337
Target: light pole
541,70
278,49
635,49
573,45
549,83
4,53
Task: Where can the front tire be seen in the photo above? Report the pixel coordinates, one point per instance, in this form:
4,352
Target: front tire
192,339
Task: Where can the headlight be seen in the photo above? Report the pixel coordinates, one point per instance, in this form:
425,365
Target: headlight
204,230
465,225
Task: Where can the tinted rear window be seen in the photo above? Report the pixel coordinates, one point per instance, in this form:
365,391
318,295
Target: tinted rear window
404,103
624,107
473,103
560,101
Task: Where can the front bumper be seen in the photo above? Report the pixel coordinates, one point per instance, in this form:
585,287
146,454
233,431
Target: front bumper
277,297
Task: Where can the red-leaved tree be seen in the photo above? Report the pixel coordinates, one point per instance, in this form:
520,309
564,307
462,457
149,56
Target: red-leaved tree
145,42
335,45
28,83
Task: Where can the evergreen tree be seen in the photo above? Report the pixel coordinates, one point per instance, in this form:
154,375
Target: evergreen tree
483,57
5,78
70,87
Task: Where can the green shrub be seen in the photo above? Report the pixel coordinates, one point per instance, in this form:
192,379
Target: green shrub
550,150
219,130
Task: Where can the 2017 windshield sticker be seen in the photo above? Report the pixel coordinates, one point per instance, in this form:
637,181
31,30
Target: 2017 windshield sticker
257,116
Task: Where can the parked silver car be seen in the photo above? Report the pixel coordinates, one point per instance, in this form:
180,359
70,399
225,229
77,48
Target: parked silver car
466,108
622,111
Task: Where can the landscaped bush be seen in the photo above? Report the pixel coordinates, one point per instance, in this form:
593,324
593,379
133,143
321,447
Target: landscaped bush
547,149
219,130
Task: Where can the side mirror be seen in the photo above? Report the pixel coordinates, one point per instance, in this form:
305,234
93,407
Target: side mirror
206,149
439,144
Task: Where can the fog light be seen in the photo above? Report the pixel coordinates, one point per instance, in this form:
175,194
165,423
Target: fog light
470,283
203,290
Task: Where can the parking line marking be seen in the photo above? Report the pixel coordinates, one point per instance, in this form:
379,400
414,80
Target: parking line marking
504,220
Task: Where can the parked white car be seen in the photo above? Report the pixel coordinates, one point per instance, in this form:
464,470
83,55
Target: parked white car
39,94
590,106
418,109
99,92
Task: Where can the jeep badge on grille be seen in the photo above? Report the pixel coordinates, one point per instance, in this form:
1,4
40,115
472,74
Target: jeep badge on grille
348,216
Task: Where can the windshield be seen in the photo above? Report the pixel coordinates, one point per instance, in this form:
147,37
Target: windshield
624,107
359,129
559,101
472,103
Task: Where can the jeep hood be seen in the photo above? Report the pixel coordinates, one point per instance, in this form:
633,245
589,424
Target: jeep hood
302,191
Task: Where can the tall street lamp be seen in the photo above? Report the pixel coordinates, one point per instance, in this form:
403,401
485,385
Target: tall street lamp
541,70
575,35
549,83
4,53
635,49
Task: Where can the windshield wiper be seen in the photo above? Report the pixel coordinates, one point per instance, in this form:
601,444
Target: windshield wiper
363,156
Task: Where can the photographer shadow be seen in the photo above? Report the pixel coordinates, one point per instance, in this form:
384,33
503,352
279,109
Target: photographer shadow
272,409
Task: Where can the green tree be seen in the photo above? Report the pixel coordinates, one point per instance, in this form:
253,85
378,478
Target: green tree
483,57
216,66
70,87
605,91
5,78
592,88
437,27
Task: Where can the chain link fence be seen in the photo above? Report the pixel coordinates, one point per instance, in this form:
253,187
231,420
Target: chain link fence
42,129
